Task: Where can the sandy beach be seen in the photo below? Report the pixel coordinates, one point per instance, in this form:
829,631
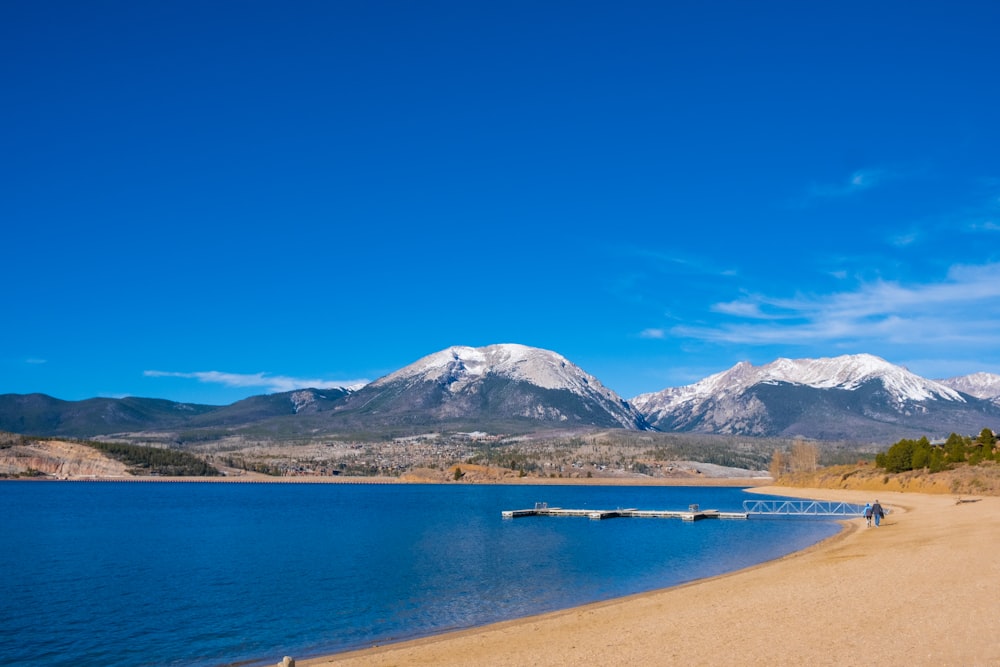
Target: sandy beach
923,589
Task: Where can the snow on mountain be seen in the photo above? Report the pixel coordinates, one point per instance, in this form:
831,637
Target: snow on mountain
461,365
851,371
460,369
852,396
312,400
844,372
980,385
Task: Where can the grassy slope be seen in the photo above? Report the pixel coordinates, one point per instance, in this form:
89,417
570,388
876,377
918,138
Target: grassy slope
981,479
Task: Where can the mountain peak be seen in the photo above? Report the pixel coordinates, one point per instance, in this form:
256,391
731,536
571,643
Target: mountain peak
843,372
461,364
459,372
754,399
980,385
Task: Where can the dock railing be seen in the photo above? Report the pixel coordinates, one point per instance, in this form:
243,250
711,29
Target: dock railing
802,508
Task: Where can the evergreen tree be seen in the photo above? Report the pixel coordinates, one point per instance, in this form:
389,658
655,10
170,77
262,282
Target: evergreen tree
936,462
899,458
987,440
955,448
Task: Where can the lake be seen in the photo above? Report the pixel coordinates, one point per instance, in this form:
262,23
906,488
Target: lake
202,574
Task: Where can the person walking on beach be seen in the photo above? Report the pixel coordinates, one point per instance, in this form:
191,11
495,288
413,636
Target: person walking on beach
877,513
868,514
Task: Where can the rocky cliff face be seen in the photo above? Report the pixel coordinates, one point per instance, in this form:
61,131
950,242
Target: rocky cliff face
58,459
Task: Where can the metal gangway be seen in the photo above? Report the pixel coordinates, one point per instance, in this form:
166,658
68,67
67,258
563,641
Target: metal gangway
802,508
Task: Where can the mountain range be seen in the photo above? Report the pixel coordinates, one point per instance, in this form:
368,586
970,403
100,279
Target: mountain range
848,397
518,389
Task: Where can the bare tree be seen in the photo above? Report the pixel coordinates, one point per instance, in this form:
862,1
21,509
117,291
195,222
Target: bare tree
804,456
778,465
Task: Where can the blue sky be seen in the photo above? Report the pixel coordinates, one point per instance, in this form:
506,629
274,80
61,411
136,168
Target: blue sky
204,201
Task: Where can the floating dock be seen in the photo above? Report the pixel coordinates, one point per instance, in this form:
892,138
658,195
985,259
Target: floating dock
693,513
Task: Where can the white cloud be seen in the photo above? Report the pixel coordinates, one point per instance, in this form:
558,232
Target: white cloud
653,333
982,217
742,309
984,226
960,310
903,239
857,182
678,264
271,383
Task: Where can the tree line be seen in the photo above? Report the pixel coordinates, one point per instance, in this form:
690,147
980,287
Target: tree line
155,460
920,454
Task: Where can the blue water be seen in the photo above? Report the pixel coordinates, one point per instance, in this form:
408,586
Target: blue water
215,574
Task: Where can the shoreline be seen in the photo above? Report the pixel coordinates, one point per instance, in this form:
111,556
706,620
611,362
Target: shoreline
922,584
340,479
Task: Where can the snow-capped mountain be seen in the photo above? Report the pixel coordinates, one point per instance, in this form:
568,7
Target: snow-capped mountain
847,397
459,366
515,388
980,385
845,372
497,382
